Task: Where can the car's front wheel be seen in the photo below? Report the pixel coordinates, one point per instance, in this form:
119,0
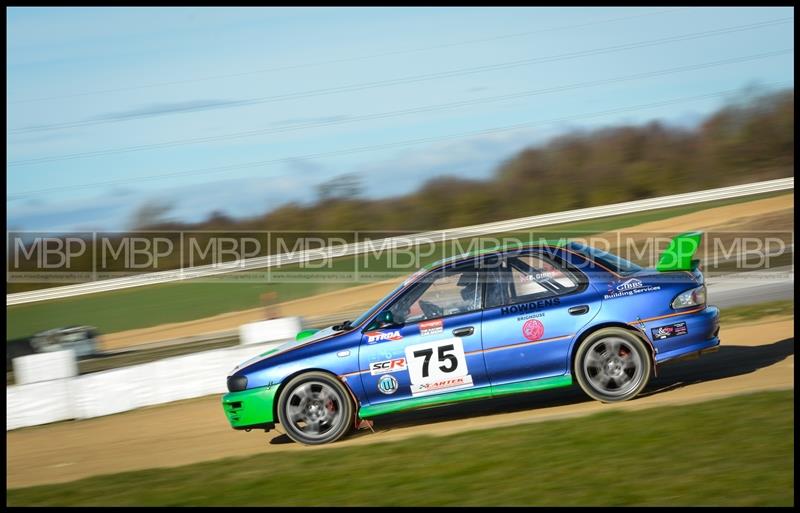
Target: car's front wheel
315,408
613,365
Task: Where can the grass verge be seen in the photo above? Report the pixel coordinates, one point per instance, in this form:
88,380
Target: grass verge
747,313
736,451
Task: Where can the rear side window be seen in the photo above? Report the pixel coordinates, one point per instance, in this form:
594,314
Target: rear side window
523,278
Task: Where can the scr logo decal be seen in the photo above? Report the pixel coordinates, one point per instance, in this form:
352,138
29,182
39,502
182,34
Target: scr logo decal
386,366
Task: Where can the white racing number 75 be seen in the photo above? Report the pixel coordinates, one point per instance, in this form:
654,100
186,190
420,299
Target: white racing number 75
439,365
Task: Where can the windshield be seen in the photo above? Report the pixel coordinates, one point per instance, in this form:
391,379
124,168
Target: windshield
374,308
615,263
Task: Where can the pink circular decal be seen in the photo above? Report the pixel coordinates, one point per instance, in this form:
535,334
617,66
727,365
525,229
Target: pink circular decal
533,329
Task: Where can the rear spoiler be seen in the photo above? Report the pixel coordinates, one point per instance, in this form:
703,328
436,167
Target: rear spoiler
678,256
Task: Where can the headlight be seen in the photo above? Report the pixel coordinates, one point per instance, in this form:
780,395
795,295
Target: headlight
691,297
237,383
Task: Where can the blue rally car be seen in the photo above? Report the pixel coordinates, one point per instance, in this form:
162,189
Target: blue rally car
510,320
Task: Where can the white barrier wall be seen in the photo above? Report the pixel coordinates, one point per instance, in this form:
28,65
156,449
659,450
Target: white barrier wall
126,388
285,328
38,403
34,368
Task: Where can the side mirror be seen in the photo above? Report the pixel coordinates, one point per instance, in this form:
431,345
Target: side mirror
385,320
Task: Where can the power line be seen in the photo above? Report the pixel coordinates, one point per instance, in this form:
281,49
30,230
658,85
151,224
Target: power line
362,149
438,75
348,59
383,115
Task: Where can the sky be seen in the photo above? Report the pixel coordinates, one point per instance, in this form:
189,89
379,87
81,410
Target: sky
241,110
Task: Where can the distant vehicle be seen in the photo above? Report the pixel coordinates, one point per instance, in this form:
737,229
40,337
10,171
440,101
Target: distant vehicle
84,340
480,325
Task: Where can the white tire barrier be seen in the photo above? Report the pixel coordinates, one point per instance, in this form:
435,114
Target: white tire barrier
274,330
48,388
39,367
38,403
126,388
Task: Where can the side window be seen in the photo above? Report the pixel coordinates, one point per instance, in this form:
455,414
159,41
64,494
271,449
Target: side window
531,277
438,295
545,272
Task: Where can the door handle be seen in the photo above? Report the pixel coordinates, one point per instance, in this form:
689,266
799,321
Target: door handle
579,310
464,332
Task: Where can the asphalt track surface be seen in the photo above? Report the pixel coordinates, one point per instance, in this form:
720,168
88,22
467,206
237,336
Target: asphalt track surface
751,288
752,357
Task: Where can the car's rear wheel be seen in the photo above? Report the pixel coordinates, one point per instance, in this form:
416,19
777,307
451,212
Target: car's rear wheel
613,365
315,408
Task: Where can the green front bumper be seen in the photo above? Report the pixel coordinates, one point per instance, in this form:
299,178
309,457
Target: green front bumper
250,408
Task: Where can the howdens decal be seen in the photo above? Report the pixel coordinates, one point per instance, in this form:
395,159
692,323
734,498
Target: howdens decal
528,307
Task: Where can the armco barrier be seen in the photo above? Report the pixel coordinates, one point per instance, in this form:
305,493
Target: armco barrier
127,388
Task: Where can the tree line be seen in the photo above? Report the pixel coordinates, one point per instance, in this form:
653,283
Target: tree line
750,139
747,140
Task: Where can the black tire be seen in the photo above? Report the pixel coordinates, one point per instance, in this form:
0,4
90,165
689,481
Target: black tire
315,408
612,365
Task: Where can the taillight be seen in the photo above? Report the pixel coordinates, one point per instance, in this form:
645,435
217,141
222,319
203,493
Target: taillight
691,297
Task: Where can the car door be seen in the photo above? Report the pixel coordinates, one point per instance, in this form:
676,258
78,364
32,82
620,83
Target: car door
535,305
434,345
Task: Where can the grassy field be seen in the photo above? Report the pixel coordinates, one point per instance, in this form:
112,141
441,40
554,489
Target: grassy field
175,302
749,313
731,452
